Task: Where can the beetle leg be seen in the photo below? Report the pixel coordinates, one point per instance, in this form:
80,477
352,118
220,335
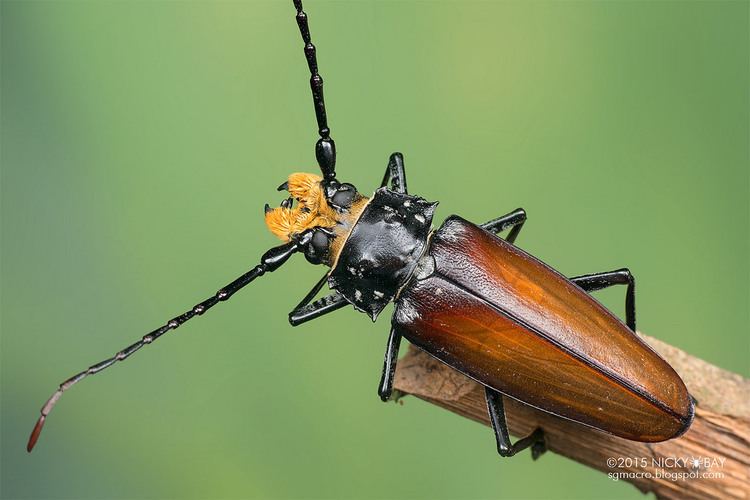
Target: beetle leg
305,311
514,220
389,365
500,426
598,281
395,173
312,293
322,306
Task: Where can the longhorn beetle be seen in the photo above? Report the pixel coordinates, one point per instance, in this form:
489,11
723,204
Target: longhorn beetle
464,295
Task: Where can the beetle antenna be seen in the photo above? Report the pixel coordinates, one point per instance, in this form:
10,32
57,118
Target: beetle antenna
325,148
269,262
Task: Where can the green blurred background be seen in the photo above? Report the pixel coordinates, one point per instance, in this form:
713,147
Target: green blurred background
140,141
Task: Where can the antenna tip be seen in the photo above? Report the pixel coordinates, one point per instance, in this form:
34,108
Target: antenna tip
35,433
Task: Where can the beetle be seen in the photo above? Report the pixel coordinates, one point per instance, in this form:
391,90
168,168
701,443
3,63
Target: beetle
463,294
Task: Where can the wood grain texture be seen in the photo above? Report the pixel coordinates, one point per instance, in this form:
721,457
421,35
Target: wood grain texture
719,435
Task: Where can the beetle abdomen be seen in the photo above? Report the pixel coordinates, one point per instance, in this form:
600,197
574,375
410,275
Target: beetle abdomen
512,323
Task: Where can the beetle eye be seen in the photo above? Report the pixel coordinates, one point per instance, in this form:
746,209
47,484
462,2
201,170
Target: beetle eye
316,252
344,196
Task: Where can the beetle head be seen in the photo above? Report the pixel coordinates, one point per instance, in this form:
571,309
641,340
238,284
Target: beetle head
325,206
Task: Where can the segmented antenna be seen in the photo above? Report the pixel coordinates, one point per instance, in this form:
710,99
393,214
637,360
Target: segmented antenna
325,148
269,262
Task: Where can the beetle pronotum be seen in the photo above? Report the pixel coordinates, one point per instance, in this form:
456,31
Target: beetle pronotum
463,294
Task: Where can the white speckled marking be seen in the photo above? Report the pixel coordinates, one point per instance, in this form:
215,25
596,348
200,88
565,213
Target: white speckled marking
451,234
405,313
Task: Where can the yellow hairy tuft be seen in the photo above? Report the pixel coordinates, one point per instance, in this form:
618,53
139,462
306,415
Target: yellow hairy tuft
311,210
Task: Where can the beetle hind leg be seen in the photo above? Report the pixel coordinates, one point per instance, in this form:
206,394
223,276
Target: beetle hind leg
505,448
598,281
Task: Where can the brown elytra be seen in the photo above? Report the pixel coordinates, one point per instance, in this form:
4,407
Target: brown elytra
512,323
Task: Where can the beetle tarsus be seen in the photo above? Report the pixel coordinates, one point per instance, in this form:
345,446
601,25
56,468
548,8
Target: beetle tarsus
539,446
505,448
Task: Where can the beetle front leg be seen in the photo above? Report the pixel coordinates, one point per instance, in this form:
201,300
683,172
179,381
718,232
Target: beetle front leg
389,365
599,281
320,307
305,311
395,173
514,220
500,426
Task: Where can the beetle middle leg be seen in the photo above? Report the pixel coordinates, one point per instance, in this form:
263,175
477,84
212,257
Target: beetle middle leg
514,220
599,281
389,365
504,447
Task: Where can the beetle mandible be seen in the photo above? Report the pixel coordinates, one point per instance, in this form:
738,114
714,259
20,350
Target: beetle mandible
466,296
